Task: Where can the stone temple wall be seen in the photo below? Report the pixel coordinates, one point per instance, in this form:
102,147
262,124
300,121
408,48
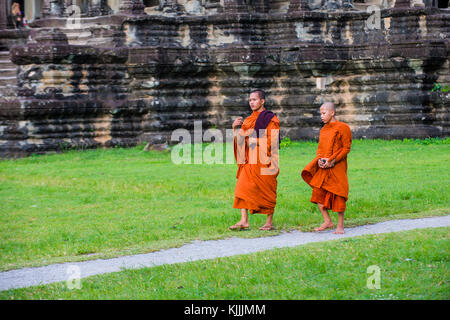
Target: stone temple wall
125,79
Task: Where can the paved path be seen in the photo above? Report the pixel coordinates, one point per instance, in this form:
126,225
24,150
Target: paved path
200,250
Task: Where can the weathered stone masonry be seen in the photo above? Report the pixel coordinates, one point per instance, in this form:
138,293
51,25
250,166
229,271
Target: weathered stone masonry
135,75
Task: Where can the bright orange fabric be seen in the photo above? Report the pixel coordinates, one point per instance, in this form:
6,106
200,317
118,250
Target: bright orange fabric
252,207
335,141
256,186
328,200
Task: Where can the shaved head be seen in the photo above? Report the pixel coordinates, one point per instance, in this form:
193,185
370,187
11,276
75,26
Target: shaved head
329,106
261,93
327,112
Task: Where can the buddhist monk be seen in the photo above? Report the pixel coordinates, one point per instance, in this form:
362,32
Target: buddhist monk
327,172
256,146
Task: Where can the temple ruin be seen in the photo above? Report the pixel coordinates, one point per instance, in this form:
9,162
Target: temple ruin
103,73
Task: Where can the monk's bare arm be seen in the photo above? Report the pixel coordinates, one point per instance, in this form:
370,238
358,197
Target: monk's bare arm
239,148
238,141
236,124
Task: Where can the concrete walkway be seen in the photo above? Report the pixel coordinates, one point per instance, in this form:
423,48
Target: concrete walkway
200,250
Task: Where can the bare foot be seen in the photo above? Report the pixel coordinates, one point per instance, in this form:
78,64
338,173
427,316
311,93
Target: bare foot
266,227
324,226
239,226
339,231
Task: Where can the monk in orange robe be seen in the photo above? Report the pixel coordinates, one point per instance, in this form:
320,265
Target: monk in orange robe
256,146
327,172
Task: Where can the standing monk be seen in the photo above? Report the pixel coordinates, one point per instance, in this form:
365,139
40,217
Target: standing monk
327,173
256,146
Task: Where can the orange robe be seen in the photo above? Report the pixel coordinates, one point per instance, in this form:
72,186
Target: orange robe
330,186
256,186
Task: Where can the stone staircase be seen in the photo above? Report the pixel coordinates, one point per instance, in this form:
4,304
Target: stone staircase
8,76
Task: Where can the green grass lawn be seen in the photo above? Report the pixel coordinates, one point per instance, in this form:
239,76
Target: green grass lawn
102,203
412,265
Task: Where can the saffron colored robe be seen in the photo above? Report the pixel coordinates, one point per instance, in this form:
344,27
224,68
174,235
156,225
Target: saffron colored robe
256,186
330,186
